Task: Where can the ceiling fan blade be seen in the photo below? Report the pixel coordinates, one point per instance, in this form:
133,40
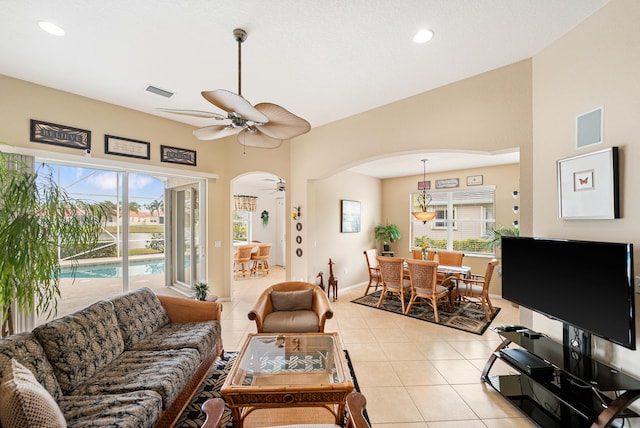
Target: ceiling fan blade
257,139
282,124
195,113
214,131
230,102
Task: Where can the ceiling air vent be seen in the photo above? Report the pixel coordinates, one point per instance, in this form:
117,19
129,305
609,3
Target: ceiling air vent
158,91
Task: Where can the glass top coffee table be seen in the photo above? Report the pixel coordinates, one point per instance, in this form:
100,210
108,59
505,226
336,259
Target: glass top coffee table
288,370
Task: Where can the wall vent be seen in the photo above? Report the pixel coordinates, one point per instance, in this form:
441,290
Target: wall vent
158,91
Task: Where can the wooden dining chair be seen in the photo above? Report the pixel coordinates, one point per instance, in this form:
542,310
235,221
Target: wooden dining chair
242,260
260,259
423,276
392,278
373,269
475,289
449,258
417,254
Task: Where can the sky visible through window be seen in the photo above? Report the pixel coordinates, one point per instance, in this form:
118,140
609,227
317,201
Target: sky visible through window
102,185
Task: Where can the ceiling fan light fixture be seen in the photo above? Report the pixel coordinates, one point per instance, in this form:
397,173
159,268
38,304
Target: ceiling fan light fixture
264,125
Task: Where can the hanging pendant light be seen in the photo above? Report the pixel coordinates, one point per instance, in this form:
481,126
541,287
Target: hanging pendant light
424,199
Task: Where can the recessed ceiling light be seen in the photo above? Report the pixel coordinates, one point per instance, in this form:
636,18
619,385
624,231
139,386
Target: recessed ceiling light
51,28
423,36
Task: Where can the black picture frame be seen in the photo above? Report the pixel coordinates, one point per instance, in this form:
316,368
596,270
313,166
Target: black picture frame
349,216
177,155
59,135
127,147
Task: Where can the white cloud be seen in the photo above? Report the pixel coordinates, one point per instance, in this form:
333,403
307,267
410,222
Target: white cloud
107,180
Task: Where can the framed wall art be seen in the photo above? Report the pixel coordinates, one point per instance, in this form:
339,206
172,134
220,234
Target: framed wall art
588,186
350,216
177,155
127,147
60,135
447,183
474,180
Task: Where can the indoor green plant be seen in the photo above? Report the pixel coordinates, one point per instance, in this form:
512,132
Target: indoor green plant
387,234
201,290
37,219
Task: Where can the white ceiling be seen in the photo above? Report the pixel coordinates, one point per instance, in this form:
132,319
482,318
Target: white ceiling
323,60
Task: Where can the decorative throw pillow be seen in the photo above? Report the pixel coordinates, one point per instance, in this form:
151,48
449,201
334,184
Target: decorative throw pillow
299,300
25,403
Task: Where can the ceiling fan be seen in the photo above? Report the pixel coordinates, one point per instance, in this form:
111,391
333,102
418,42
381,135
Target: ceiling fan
264,125
280,186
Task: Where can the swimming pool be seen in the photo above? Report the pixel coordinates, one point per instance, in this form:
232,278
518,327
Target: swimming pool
114,270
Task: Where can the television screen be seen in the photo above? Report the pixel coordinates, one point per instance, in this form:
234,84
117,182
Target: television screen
586,284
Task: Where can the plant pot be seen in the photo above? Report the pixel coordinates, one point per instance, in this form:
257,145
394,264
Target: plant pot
386,247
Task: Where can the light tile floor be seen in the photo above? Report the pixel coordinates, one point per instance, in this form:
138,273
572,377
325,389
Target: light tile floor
414,374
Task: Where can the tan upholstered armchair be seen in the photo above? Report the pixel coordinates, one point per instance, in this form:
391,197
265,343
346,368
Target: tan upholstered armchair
291,307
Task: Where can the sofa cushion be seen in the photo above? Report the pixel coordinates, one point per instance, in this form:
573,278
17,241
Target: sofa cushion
202,336
291,322
298,300
27,351
131,410
165,372
81,344
25,403
139,313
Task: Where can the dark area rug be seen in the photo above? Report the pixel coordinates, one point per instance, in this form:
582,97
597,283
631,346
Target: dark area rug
466,316
192,417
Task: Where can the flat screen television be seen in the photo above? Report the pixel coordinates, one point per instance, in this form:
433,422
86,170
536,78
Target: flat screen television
586,284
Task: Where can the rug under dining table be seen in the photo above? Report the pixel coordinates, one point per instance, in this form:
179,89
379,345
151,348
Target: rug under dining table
466,316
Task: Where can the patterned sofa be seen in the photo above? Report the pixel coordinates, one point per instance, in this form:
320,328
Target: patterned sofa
134,360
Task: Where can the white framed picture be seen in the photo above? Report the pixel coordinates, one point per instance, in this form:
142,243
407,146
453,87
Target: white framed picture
588,186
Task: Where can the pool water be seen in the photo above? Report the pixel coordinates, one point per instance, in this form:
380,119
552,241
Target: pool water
114,270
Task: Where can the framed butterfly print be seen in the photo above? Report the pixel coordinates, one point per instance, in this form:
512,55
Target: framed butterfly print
588,186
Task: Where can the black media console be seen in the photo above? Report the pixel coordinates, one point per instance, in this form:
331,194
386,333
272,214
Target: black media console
556,386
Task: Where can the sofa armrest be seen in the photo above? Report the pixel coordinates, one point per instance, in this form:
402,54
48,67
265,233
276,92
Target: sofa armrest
260,310
181,309
322,307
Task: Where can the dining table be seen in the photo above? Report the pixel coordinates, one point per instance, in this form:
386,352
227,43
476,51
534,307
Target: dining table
463,271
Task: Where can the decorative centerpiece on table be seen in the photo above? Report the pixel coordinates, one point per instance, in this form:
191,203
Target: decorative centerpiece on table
424,246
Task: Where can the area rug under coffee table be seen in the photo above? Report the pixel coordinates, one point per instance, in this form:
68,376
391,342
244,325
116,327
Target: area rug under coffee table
192,417
466,316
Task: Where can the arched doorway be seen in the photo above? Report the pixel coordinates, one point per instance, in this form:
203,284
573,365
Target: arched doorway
264,219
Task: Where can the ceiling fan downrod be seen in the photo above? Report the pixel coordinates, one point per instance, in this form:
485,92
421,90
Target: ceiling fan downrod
240,35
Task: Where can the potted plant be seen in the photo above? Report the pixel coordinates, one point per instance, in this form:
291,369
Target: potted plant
201,290
496,242
37,220
387,234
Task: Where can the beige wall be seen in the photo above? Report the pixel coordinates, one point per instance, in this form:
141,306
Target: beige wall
490,112
596,64
325,239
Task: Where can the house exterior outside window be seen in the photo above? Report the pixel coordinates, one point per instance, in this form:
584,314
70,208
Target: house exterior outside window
464,221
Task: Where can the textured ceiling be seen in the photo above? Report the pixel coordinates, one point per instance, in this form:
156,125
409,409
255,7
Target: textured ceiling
323,60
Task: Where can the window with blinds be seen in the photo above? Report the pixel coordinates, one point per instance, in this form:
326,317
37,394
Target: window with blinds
464,221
